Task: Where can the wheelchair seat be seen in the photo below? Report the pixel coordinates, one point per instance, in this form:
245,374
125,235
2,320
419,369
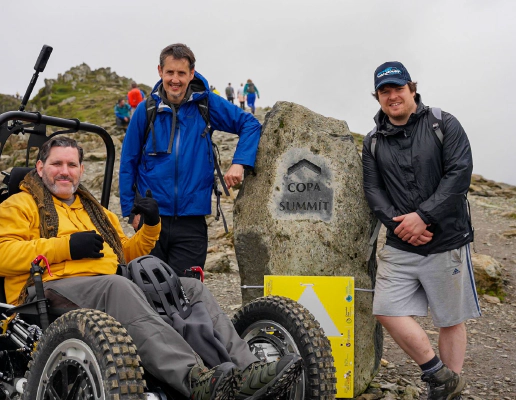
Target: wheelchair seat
15,177
2,291
13,186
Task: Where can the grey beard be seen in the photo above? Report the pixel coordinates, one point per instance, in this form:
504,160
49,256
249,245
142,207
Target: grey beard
52,187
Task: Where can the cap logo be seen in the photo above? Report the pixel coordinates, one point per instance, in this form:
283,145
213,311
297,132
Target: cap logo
389,71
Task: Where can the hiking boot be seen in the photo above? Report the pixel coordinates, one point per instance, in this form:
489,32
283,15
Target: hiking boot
218,383
444,384
262,380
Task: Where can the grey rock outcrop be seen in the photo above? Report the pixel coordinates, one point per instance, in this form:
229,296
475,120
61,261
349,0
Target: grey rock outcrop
488,273
304,213
48,86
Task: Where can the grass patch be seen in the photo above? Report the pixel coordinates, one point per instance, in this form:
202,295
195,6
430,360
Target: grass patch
500,293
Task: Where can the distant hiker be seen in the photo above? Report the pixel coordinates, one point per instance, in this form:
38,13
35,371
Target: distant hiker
135,96
213,89
417,168
122,113
175,158
251,91
230,93
241,96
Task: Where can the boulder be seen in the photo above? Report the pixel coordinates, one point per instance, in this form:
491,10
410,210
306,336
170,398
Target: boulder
95,156
217,262
510,233
48,85
68,100
304,213
488,273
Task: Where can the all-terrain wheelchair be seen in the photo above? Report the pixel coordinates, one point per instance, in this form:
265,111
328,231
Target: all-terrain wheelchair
66,353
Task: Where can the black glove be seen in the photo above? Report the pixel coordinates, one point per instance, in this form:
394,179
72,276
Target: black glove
148,207
86,245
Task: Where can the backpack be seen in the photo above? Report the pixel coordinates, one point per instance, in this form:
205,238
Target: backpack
436,122
250,88
134,97
150,106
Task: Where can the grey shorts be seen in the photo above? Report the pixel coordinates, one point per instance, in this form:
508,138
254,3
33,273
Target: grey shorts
407,284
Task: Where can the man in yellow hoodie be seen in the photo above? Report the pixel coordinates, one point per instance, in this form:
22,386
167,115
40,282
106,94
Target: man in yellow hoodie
55,216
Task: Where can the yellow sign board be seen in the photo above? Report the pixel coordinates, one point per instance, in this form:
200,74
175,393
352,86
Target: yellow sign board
331,300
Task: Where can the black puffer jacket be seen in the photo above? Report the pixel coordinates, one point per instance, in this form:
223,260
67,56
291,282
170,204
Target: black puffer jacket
413,171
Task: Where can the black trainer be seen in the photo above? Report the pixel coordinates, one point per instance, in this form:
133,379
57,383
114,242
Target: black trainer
444,384
219,383
262,380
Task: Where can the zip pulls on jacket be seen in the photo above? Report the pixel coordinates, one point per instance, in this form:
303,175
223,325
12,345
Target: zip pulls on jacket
176,172
162,107
169,151
172,129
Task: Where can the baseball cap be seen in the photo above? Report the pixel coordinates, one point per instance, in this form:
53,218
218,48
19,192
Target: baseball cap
391,72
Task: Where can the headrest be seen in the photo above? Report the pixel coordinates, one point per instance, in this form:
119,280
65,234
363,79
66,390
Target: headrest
15,177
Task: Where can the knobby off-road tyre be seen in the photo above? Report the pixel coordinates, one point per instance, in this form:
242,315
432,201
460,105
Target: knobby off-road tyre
274,326
85,354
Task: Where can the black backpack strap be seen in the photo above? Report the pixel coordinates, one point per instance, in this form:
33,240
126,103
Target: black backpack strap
219,207
373,238
205,113
378,223
150,107
436,122
373,142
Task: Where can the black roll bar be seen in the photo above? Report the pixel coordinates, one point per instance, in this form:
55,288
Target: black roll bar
74,125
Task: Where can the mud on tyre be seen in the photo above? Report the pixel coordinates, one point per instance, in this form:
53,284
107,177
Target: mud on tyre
85,354
274,326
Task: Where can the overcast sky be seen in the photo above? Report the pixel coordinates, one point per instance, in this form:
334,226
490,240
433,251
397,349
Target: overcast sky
320,54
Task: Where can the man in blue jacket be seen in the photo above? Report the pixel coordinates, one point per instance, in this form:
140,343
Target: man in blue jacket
416,177
122,113
176,161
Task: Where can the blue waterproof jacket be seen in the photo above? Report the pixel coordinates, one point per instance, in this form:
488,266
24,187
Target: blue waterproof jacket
176,162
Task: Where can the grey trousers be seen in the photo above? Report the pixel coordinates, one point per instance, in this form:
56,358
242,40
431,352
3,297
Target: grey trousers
163,351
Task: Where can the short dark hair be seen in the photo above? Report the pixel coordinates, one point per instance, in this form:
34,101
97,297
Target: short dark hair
63,141
177,51
412,87
120,99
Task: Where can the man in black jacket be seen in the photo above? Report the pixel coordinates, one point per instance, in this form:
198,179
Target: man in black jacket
416,184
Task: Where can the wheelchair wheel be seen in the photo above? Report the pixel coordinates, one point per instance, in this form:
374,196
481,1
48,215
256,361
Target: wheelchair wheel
274,326
85,354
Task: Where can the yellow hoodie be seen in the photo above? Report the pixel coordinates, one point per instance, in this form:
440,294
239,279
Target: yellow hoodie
20,243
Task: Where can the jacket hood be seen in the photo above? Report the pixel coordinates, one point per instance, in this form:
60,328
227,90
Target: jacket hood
197,89
385,127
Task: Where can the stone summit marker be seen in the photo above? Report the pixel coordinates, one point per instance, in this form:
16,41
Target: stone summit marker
304,213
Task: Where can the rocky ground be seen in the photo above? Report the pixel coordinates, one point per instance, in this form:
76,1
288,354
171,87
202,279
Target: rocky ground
490,366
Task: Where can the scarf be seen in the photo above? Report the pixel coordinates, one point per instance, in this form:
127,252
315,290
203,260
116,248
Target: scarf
49,220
